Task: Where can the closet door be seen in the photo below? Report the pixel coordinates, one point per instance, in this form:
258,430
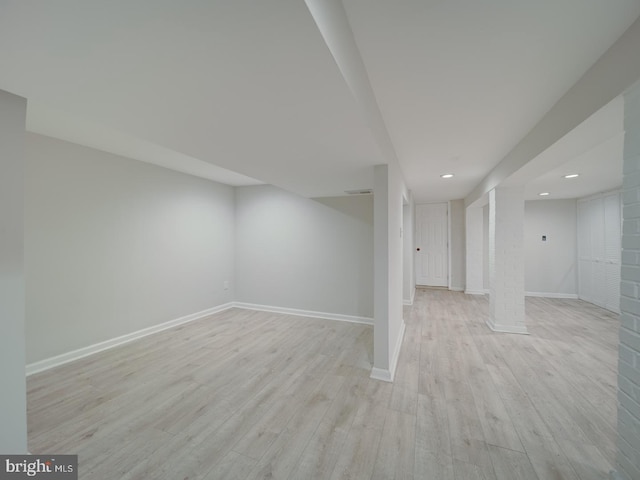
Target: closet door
599,250
613,251
585,273
596,207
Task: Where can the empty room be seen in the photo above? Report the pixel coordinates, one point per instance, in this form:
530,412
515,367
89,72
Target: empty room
320,239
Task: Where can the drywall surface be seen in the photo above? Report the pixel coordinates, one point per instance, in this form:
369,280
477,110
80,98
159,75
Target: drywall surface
408,250
550,263
457,245
301,253
13,408
389,194
114,245
485,247
397,191
474,252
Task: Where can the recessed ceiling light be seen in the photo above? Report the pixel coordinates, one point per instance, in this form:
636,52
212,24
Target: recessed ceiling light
543,194
572,175
446,175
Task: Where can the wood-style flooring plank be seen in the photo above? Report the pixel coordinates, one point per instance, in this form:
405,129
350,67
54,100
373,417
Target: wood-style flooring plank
511,465
396,452
254,395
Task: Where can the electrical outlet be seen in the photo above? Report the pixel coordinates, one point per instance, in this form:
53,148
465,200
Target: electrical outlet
225,284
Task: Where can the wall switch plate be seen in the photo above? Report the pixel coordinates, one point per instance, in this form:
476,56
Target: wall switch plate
225,284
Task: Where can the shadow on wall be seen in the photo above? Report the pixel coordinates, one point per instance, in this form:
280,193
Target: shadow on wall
359,207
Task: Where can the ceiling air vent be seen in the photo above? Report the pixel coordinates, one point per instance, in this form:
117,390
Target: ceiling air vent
361,191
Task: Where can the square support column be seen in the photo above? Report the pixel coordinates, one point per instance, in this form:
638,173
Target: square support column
388,322
506,260
474,251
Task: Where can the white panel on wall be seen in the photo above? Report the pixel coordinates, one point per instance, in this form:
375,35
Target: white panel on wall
599,235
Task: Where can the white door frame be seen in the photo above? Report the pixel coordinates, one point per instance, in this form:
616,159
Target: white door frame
447,260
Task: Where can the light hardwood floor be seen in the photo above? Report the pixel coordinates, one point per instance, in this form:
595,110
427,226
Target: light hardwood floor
249,395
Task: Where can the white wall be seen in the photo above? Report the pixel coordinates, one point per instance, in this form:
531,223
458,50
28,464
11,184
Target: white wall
408,249
13,410
389,192
397,192
485,247
114,246
474,253
457,273
551,266
308,254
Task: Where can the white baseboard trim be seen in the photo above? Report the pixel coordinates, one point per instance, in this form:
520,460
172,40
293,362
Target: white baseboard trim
58,360
387,375
48,363
381,374
410,301
615,309
305,313
572,296
522,330
457,289
475,292
396,352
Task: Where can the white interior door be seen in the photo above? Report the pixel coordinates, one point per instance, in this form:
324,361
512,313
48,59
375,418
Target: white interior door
432,245
599,250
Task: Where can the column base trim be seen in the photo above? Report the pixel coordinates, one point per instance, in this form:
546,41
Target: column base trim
381,374
498,328
571,296
384,374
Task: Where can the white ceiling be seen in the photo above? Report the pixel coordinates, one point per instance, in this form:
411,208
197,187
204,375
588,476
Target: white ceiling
593,150
246,90
599,170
